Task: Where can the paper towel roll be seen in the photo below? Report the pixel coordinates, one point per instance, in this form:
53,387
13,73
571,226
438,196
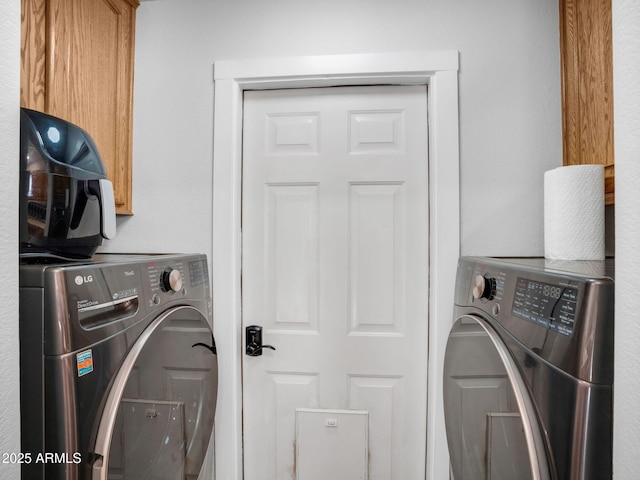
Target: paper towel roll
574,213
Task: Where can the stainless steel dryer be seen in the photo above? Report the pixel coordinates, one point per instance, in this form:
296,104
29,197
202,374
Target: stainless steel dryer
528,372
118,368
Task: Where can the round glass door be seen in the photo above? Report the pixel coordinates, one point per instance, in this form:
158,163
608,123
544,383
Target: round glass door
159,415
492,429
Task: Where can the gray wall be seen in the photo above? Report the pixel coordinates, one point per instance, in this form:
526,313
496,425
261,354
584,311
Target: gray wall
626,71
9,146
510,123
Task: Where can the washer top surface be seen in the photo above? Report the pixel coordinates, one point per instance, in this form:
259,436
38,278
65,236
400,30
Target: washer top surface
31,269
583,268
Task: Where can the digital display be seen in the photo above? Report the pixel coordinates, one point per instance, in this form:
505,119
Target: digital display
548,305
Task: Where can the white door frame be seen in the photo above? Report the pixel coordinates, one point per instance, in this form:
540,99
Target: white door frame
438,70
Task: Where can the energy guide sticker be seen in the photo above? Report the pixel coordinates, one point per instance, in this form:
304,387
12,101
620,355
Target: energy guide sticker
84,362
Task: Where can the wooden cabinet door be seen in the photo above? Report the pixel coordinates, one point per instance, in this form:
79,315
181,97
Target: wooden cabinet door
587,86
77,64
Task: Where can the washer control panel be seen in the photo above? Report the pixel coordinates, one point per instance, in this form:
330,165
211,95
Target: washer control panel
550,305
561,312
79,301
165,278
100,293
543,301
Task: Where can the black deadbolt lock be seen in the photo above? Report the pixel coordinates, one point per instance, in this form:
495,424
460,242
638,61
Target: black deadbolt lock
254,341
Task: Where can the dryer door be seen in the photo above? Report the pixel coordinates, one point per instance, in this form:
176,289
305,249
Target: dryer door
492,429
158,417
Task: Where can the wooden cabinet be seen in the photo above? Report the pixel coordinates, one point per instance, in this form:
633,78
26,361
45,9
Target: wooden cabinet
77,64
587,86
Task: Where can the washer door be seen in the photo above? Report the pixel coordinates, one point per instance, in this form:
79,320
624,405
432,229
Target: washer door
492,428
158,417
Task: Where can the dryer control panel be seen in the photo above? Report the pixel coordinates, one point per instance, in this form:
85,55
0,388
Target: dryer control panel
550,305
564,316
547,301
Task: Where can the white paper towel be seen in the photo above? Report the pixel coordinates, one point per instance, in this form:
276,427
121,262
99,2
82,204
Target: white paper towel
574,213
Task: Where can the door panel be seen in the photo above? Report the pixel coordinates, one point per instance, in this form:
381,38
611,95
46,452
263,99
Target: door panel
377,263
335,268
291,219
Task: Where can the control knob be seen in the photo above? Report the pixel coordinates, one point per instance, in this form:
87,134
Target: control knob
484,287
171,280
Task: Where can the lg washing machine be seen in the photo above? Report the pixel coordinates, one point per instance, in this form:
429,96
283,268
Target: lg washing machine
528,374
118,368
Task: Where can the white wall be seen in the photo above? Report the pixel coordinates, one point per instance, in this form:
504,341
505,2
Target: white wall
173,130
509,102
626,70
9,166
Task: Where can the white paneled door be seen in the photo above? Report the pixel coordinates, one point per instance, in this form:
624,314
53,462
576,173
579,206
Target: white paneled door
335,270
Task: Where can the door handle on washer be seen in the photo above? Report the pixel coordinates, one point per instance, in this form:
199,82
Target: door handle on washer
211,348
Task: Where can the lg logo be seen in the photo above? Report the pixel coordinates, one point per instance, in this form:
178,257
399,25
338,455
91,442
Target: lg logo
80,279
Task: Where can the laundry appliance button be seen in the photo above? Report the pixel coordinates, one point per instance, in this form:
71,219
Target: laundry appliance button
484,287
171,280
